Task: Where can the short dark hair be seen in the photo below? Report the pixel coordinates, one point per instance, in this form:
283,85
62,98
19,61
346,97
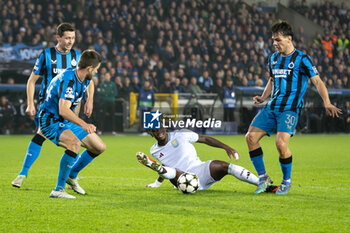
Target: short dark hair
89,58
64,27
282,27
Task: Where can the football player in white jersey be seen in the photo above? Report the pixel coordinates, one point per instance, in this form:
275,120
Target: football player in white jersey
177,155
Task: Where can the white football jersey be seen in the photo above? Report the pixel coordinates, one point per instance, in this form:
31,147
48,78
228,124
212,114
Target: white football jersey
178,152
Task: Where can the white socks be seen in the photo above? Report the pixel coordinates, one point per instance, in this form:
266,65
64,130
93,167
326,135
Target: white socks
242,174
167,172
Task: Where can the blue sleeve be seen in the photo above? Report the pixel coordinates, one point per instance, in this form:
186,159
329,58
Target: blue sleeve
308,67
67,89
39,66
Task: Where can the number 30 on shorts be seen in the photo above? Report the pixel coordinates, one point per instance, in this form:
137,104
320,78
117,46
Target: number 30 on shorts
290,121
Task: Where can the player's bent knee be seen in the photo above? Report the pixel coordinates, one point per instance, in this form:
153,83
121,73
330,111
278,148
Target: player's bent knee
99,148
251,138
281,144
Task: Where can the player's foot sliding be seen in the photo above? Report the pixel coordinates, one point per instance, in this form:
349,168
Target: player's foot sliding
165,172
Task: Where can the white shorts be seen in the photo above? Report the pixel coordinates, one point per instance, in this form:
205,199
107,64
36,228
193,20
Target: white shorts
203,173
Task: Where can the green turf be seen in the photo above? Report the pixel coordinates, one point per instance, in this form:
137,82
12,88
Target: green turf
117,200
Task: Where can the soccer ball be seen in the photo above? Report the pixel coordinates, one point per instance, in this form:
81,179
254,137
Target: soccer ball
188,183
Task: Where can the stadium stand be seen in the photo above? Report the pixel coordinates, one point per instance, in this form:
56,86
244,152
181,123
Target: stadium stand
173,43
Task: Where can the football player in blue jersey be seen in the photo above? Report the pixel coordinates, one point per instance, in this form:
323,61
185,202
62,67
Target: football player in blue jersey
290,69
59,123
50,62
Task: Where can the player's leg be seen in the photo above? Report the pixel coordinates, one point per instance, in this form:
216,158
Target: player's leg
287,122
282,141
32,154
263,124
256,156
219,169
68,140
94,147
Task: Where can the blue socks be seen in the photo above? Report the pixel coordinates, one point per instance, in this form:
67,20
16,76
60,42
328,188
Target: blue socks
256,156
66,165
286,166
85,158
32,154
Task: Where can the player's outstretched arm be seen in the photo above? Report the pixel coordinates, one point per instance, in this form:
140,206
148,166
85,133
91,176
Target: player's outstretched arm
90,101
322,90
68,114
267,91
30,93
156,183
216,143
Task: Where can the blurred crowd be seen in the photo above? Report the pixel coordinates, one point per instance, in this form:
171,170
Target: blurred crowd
331,51
180,46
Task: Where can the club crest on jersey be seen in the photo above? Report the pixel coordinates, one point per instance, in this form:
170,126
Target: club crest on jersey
73,62
291,65
175,143
151,120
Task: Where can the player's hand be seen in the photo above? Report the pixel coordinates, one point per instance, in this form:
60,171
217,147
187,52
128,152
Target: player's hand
156,184
258,100
90,128
332,110
88,107
31,110
232,152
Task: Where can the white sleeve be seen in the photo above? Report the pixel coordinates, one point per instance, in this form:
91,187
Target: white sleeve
152,150
189,135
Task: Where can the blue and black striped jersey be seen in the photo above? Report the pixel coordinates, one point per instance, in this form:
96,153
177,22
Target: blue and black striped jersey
290,80
50,63
65,85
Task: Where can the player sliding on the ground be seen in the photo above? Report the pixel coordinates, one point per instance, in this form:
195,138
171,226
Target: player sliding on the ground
177,154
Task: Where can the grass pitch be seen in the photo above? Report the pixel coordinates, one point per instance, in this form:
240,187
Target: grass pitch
118,201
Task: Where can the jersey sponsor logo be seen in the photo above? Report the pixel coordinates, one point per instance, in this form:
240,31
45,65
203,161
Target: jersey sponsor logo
161,155
53,61
69,93
281,73
73,62
151,120
61,125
